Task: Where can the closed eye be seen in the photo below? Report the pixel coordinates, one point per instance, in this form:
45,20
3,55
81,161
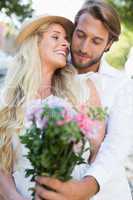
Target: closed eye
97,41
55,37
80,34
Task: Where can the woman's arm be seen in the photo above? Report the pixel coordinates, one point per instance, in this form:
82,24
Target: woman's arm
7,188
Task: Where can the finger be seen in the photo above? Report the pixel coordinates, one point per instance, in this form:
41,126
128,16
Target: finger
37,197
53,183
42,193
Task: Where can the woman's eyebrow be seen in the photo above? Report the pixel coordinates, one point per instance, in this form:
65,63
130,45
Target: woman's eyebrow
56,31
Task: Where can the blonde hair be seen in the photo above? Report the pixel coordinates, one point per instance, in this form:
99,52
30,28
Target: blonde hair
21,85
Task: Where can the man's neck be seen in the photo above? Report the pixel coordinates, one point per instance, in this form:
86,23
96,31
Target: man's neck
93,68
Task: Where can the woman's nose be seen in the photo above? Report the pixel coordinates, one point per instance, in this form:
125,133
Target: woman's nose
65,43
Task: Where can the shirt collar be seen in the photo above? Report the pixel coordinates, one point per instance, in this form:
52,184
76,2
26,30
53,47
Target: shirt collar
108,70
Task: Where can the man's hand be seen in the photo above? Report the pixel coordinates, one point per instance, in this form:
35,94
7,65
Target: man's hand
70,190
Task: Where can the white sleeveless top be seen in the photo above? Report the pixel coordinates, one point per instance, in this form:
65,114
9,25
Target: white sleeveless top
22,183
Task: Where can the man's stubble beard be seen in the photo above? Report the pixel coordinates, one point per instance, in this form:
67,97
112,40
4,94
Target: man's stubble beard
88,64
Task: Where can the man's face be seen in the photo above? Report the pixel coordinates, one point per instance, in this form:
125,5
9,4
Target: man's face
90,40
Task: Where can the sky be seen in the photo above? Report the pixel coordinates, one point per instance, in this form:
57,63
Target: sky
66,8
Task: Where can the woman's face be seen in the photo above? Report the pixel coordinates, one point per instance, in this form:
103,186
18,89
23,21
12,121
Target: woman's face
54,47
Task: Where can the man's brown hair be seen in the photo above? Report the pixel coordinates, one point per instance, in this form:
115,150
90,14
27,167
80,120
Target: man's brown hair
105,13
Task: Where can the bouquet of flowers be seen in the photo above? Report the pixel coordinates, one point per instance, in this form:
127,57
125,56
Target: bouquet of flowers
55,137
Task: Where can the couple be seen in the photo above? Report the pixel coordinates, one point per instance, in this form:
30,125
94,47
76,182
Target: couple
36,74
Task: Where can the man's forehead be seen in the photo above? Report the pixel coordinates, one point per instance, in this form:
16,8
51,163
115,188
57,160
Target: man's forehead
89,24
87,18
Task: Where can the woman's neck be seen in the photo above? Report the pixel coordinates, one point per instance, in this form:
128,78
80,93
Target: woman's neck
46,85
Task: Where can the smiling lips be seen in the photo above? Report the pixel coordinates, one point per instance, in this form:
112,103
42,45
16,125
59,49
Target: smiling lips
63,52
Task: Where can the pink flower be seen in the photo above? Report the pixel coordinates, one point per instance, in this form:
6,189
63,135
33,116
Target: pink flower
60,122
85,124
67,118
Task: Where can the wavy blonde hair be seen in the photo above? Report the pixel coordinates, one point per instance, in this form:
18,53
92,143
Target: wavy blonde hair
21,85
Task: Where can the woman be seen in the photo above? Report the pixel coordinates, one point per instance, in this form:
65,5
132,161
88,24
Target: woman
39,69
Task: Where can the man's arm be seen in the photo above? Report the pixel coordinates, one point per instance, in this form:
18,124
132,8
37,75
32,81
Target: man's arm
70,190
118,140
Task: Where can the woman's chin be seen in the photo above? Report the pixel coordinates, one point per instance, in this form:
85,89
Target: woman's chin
61,64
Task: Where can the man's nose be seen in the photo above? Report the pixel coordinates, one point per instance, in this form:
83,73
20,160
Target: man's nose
85,47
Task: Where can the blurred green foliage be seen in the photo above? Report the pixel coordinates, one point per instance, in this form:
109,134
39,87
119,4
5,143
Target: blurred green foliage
119,51
17,7
124,7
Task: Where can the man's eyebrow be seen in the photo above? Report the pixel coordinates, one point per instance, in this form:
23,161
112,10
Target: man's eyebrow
95,37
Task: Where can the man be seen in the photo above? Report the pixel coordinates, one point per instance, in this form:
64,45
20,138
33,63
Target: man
97,26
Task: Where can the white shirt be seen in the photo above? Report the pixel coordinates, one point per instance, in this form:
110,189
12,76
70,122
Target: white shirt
108,81
108,167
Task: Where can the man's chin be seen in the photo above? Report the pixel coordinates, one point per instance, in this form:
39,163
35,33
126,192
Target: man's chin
81,65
